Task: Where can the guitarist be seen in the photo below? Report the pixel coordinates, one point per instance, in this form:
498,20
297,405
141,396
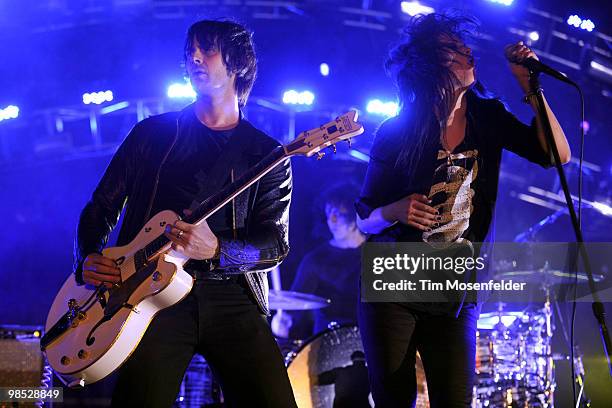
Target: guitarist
171,162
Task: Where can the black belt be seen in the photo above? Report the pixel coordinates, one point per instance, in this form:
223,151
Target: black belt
200,270
216,276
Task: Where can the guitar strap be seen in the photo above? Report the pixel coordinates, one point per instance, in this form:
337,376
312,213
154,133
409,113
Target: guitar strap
219,175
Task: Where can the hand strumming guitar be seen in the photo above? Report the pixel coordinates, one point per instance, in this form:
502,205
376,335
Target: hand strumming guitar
193,241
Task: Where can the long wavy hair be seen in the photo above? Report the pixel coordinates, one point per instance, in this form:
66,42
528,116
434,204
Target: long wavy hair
418,64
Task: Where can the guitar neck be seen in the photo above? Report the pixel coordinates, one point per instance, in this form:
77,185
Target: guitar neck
215,202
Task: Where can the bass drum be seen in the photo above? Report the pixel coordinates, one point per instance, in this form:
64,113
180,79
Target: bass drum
329,371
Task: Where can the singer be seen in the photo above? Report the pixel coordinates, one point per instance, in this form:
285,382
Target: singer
433,177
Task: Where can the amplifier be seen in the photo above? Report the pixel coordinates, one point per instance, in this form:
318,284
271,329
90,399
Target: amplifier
21,361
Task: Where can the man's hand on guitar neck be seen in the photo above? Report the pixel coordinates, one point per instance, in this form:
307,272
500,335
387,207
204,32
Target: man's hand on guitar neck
193,241
98,269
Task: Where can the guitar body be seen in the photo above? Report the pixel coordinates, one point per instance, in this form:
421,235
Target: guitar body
78,363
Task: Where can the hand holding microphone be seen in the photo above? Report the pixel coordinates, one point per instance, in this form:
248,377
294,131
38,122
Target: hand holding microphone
517,55
523,61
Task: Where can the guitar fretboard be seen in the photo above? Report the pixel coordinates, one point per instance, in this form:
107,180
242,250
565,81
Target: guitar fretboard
216,201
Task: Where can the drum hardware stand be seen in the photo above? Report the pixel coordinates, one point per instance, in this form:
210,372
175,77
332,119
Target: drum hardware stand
579,378
548,314
597,305
579,373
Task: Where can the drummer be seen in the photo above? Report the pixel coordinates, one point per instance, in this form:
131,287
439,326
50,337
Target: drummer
332,269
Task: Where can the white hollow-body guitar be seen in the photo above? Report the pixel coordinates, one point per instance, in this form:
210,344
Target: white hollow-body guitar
91,331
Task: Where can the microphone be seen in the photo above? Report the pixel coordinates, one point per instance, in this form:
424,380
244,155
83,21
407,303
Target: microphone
536,67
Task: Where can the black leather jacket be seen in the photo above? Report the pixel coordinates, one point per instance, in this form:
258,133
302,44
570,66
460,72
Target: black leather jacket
261,213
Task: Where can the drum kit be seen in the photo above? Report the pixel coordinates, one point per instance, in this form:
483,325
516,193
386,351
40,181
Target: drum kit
514,360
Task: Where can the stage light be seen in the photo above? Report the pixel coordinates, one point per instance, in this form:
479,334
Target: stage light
10,112
181,90
115,107
587,25
601,68
97,97
585,125
534,36
293,97
503,2
584,24
324,69
603,208
413,8
359,156
574,20
378,107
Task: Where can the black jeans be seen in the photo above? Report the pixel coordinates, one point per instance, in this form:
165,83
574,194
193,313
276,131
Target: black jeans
219,320
391,335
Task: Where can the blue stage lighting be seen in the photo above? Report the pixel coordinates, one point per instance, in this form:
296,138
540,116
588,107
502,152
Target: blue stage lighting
359,156
10,112
97,97
504,2
324,69
115,107
601,68
293,97
378,107
534,36
413,8
584,24
181,90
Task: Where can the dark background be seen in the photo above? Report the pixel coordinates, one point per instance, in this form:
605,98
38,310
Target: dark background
51,52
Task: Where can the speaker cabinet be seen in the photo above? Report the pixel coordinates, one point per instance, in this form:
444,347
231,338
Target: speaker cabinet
21,361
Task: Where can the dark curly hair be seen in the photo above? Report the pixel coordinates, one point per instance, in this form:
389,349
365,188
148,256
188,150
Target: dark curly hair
419,66
235,43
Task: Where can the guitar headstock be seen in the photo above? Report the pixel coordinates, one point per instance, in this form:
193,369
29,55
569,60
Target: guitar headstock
344,127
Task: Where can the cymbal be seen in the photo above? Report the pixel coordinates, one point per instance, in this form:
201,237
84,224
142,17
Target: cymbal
288,300
549,276
490,320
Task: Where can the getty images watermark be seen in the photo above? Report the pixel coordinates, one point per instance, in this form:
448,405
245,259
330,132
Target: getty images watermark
474,272
428,264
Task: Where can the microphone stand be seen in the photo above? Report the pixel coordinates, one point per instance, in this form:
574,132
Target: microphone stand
597,305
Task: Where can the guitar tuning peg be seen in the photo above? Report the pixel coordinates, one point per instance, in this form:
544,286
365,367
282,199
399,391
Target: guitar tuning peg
333,148
349,142
320,155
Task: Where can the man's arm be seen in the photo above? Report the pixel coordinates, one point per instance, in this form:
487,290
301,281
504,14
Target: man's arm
267,243
102,211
